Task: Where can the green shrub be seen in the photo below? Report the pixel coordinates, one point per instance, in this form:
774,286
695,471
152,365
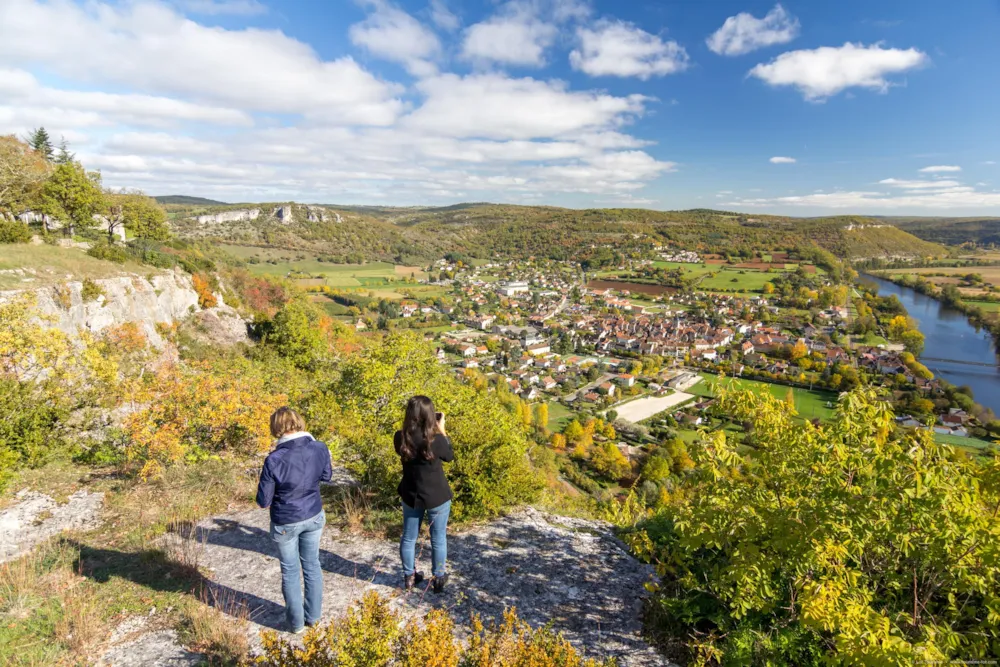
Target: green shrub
107,251
91,290
29,428
14,231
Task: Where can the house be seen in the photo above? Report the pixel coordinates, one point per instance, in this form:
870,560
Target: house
548,383
591,397
746,347
626,380
538,348
606,388
683,381
470,363
481,322
467,350
530,394
510,288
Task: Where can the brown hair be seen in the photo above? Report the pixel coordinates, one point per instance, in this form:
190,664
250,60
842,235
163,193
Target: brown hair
419,427
285,420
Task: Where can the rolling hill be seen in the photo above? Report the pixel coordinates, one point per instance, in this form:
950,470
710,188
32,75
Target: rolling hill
409,234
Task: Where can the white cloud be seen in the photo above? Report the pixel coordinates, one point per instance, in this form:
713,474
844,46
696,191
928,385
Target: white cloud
617,48
391,33
220,7
496,106
153,49
990,162
919,185
516,36
194,109
443,17
865,201
744,32
778,159
24,95
939,168
828,70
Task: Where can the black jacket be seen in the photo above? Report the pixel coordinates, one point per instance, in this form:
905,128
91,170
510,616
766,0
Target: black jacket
424,485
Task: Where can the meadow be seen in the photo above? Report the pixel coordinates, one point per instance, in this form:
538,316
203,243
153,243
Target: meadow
46,265
809,404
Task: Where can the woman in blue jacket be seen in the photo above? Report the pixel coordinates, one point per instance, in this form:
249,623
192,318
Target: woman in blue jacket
289,485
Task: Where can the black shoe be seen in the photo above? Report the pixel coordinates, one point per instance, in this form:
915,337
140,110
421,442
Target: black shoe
412,580
438,583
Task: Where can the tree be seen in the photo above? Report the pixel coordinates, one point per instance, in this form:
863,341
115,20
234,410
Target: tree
41,143
609,461
22,173
542,417
135,212
768,288
64,156
850,544
573,432
300,332
913,340
799,350
72,195
558,442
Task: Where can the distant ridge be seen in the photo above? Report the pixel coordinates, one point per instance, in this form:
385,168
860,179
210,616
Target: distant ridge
190,201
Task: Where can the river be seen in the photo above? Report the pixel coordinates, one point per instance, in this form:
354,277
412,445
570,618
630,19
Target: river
948,335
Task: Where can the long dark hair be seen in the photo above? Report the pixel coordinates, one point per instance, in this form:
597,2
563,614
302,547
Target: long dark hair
419,428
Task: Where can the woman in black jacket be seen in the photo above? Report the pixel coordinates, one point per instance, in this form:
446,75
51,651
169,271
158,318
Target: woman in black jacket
422,445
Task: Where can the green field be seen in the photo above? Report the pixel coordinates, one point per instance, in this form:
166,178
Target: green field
808,403
985,306
559,416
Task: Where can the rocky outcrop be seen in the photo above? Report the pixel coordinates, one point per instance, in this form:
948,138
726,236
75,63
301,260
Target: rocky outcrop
36,517
164,298
239,215
572,573
284,214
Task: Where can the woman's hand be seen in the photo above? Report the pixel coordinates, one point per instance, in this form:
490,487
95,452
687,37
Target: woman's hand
440,425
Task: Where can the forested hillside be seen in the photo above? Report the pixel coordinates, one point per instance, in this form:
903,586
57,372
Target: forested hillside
483,230
951,231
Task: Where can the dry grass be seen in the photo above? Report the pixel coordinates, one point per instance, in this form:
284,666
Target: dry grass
219,628
47,265
81,628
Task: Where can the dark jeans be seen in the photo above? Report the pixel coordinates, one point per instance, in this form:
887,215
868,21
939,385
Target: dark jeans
298,552
438,523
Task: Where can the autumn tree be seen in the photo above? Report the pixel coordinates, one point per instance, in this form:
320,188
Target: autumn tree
22,173
609,461
542,417
854,543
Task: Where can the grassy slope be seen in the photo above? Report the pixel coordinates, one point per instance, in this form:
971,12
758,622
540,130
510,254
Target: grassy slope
51,265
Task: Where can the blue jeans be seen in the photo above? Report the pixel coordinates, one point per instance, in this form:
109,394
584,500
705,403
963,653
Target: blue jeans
298,551
438,522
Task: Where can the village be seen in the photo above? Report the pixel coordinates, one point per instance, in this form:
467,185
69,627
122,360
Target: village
545,335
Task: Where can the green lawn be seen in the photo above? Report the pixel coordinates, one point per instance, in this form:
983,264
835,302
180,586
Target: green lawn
809,404
736,279
559,416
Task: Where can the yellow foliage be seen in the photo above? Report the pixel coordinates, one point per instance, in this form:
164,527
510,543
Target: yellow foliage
192,412
371,634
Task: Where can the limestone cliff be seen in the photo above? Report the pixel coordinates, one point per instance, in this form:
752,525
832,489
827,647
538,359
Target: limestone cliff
164,298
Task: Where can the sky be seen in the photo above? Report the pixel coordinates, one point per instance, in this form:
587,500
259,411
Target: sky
800,108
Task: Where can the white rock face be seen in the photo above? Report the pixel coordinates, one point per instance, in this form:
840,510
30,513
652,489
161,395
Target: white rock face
229,216
37,517
284,214
165,298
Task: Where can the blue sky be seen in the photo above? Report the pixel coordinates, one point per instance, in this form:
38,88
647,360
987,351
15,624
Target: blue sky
802,108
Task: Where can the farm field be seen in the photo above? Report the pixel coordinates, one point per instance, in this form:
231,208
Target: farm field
809,404
742,279
986,306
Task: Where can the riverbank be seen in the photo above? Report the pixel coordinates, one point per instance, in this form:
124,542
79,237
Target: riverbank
954,349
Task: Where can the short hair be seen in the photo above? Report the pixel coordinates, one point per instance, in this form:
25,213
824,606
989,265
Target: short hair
285,420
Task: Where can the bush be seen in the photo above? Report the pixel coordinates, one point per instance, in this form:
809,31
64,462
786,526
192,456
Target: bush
91,290
14,231
846,544
107,251
371,634
29,429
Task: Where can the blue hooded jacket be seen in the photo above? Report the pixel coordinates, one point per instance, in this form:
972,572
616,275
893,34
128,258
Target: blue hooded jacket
289,480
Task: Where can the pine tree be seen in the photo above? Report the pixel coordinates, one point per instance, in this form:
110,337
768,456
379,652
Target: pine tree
64,156
41,143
